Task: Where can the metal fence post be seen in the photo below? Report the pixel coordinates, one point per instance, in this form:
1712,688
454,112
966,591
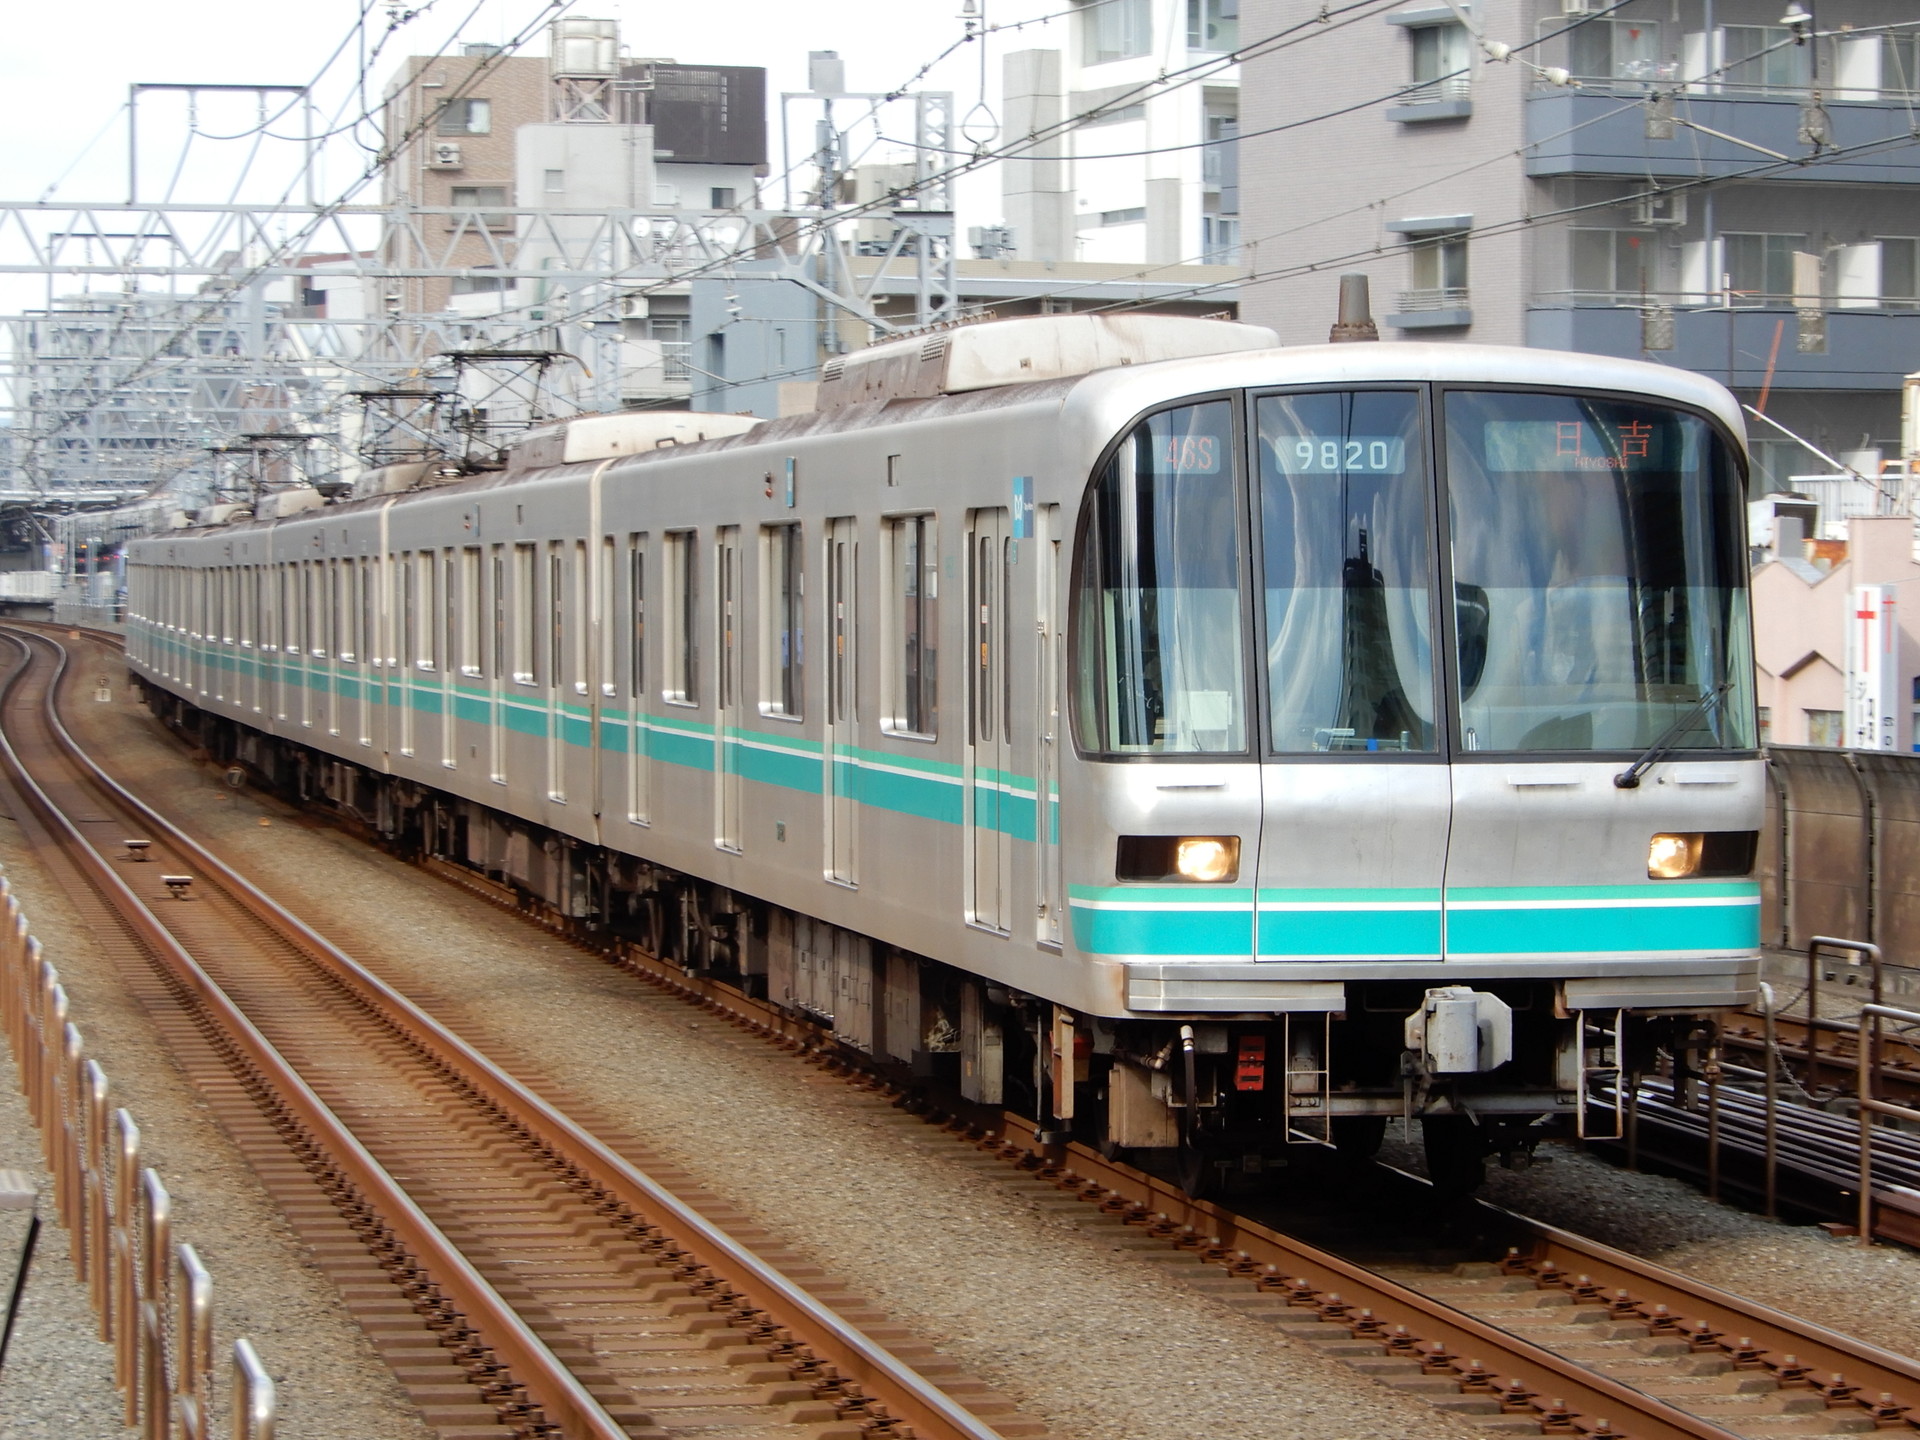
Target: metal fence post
1771,1044
1712,1075
156,1231
94,1201
254,1404
193,1344
126,1279
71,1133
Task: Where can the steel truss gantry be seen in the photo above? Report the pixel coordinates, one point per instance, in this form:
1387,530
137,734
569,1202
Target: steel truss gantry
169,330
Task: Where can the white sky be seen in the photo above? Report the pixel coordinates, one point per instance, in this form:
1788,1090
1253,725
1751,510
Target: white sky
64,74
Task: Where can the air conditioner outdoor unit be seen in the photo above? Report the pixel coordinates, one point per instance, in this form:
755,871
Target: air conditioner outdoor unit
1668,207
1581,7
446,155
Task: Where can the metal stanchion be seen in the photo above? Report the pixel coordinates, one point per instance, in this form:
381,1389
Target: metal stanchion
1711,1072
156,1234
254,1404
126,1278
193,1345
94,1091
1633,1121
1867,1061
1773,1100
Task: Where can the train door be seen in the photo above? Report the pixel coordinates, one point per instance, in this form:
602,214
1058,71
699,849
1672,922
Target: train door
448,623
728,641
1356,801
988,775
1051,655
842,811
407,619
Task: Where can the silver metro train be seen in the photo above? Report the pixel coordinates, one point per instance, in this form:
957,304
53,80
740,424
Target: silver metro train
1196,744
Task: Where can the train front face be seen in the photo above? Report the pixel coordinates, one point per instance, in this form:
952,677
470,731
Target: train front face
1422,721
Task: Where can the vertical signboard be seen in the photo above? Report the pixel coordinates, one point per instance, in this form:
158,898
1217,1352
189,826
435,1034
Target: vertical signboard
1873,669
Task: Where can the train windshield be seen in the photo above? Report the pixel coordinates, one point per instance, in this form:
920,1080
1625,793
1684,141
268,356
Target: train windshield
1346,550
1599,576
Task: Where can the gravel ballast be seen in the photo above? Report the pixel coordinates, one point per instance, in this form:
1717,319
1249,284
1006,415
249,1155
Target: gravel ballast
1016,1288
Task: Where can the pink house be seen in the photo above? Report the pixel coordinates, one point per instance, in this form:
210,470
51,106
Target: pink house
1800,615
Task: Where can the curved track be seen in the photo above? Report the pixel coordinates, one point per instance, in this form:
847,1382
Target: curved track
528,1280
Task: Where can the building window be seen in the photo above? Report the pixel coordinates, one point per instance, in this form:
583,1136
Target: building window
554,182
783,625
1764,57
480,284
1136,215
1220,239
680,685
1609,264
1826,727
1900,272
1441,59
1213,25
1616,50
465,117
910,675
1437,272
479,197
1759,268
1114,30
1766,724
720,197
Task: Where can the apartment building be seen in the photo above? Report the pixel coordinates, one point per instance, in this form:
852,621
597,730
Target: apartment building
1153,180
582,133
1730,186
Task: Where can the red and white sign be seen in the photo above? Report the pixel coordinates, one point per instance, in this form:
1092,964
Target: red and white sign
1873,669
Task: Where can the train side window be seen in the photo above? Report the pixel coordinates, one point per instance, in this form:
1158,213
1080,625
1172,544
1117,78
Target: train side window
910,638
446,634
525,614
577,606
473,610
556,616
423,615
637,598
680,683
608,583
498,589
782,623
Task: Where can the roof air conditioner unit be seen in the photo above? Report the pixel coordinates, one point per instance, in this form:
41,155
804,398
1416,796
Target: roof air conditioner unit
446,155
1581,7
1666,207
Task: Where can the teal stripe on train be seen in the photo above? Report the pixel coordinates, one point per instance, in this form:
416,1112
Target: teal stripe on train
1656,918
1567,920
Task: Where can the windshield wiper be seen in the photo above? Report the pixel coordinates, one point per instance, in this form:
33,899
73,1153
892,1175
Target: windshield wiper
1629,778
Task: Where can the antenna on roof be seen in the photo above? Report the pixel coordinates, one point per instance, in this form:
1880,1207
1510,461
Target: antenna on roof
1356,313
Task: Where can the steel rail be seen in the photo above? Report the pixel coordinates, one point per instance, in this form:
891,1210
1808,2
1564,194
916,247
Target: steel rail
1252,1248
546,1380
908,1396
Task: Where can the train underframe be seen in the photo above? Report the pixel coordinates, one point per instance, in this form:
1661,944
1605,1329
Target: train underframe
1214,1101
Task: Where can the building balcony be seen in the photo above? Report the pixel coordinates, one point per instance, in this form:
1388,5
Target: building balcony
1581,132
1436,309
1450,98
1865,349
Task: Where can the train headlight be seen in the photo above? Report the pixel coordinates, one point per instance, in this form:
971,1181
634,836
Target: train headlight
1206,858
1673,857
1195,859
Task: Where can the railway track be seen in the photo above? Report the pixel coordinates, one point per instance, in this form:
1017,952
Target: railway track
519,1275
1543,1333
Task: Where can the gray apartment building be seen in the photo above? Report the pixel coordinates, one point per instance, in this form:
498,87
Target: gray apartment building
1729,186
